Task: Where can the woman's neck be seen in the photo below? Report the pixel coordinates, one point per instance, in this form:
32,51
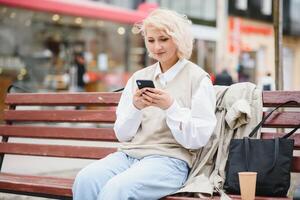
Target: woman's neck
164,66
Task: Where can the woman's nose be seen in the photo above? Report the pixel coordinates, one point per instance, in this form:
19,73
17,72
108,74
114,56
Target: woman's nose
157,46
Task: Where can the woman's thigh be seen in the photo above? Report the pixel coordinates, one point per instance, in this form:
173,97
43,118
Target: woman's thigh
150,178
99,172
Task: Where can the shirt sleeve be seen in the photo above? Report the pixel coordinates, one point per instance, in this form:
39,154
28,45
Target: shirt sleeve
128,116
193,127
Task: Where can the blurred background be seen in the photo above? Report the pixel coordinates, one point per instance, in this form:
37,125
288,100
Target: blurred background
91,45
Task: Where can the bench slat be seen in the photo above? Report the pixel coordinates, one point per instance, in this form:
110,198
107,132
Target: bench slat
36,184
281,97
111,98
282,120
101,134
107,116
73,151
277,120
44,185
233,197
66,151
237,197
40,186
64,99
296,164
295,136
185,198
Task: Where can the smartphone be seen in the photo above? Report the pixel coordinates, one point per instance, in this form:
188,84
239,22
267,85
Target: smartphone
145,83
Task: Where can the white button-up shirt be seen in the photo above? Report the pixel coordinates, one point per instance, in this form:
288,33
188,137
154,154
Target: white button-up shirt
191,127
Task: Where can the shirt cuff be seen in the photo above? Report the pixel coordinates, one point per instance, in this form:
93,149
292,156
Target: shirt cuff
173,109
133,111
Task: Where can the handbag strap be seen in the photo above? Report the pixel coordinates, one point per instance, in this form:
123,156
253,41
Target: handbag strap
276,152
276,149
291,132
246,141
267,116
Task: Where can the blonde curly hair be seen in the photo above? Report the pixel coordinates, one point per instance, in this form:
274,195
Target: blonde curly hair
177,26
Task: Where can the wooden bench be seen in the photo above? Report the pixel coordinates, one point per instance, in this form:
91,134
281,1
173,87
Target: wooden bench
99,110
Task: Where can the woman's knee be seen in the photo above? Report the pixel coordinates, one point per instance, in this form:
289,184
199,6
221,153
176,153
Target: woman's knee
85,186
118,188
83,175
92,173
83,178
89,176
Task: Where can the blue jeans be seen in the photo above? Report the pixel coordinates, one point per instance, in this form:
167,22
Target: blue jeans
119,176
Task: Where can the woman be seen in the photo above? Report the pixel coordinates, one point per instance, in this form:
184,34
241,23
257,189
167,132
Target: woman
159,127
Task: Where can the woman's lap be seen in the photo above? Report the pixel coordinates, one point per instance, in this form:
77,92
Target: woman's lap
119,176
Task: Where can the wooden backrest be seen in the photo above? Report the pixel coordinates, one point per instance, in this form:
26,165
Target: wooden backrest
43,116
287,118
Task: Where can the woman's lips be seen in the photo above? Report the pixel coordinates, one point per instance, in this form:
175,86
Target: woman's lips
159,54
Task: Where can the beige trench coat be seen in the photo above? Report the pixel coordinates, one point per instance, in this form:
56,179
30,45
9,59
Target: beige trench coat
238,111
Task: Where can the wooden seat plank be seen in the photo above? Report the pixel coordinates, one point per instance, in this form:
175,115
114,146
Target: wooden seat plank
66,151
64,99
107,116
295,136
94,134
296,164
36,184
62,186
282,120
274,98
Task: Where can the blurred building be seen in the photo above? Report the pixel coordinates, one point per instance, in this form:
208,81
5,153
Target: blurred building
39,39
250,41
42,36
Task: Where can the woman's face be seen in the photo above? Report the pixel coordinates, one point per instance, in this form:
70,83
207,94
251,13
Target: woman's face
161,46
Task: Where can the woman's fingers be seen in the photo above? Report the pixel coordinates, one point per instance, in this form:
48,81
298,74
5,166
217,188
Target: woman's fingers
152,95
155,91
146,102
138,92
147,97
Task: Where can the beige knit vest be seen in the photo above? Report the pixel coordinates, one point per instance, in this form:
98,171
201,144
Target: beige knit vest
154,136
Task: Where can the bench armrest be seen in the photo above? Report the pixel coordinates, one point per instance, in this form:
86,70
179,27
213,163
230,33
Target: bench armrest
296,195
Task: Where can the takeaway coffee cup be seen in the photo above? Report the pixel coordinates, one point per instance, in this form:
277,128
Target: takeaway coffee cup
247,182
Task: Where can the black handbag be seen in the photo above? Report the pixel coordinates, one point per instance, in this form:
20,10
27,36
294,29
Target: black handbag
270,158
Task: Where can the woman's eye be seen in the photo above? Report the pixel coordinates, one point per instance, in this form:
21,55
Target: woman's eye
164,39
150,41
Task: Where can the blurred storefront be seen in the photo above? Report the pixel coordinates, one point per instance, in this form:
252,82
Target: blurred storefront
39,41
251,47
250,41
46,45
43,37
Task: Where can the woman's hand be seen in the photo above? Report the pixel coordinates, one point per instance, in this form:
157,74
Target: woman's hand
157,97
138,99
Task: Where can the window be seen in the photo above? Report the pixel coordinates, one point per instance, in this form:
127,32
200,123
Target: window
241,4
199,11
266,8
